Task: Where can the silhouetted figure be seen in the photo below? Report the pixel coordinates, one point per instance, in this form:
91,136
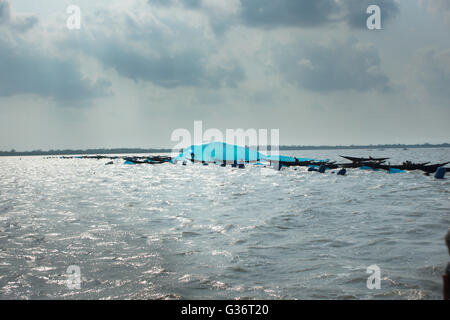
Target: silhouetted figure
192,157
440,173
322,168
446,276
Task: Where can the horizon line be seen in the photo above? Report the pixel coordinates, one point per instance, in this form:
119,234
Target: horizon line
38,152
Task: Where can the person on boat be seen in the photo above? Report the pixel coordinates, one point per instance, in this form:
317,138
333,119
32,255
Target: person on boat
446,276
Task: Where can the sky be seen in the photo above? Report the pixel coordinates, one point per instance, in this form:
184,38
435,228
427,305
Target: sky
137,70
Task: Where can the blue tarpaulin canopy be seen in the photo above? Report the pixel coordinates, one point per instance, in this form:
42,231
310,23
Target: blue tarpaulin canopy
220,151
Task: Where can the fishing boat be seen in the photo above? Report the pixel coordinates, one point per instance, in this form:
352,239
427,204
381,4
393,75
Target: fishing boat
222,154
432,167
359,164
354,159
147,160
408,166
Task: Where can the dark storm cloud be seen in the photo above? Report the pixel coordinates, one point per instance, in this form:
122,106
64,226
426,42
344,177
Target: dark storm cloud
300,13
19,23
167,70
155,53
307,13
5,12
355,11
433,71
24,24
345,66
25,71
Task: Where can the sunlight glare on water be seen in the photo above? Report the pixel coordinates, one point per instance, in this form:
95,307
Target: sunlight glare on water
207,232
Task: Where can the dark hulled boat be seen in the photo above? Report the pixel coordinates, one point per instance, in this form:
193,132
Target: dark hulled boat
408,166
355,159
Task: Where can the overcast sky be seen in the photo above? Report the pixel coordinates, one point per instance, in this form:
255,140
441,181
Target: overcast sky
139,69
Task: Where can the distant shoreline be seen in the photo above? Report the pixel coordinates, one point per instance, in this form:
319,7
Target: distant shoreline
162,150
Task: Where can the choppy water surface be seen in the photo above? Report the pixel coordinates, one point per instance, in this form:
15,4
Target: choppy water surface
195,232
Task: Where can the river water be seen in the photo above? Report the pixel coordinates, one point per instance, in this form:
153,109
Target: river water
207,232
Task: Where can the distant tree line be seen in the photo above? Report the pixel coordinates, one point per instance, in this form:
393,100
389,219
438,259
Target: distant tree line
162,150
82,152
371,146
